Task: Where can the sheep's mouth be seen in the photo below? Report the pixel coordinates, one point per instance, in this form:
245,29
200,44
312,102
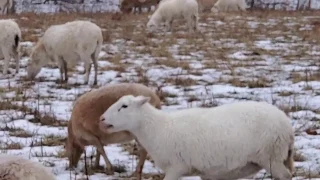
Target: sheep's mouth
109,126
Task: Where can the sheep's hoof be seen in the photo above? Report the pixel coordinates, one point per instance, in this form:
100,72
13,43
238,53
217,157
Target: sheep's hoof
136,175
109,172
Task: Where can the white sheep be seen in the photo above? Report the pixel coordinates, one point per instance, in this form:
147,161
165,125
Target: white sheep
67,44
226,142
168,10
13,167
206,5
5,6
10,37
229,5
83,127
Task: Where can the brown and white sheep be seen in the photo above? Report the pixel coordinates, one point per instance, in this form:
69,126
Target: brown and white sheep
127,5
83,127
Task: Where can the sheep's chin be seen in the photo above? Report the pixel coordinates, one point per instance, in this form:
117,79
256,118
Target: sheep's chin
108,128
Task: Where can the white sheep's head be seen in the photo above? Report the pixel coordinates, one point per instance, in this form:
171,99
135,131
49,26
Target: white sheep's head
214,9
151,25
123,115
37,59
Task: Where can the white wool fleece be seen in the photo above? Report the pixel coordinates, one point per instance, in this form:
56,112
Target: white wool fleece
18,168
168,10
226,142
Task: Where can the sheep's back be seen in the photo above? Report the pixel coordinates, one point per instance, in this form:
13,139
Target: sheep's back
239,131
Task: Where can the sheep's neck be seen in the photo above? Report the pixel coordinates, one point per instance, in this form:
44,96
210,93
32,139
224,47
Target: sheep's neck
156,18
152,126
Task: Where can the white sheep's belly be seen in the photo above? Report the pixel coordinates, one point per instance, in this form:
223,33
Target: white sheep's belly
223,173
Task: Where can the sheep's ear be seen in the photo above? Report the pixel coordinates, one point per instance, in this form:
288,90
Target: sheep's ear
141,100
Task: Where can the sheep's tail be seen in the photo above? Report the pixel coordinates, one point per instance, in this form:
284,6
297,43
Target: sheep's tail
16,42
95,55
289,162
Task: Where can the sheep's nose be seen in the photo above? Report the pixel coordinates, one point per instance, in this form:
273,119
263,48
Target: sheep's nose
102,118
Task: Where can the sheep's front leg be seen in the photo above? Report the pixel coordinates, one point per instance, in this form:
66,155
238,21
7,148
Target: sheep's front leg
192,23
97,160
142,158
109,168
140,9
168,24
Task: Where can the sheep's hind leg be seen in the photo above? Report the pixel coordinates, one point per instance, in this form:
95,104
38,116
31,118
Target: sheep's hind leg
277,169
175,173
17,58
7,58
61,65
88,69
65,66
95,66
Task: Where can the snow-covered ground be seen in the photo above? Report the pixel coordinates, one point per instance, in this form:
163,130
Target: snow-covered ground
265,57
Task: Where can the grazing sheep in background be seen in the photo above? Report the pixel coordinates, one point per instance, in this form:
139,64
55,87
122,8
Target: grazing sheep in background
5,6
127,5
168,10
229,5
230,141
67,44
10,37
206,5
13,167
83,127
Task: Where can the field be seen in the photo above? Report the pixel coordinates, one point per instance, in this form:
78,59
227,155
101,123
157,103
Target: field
265,56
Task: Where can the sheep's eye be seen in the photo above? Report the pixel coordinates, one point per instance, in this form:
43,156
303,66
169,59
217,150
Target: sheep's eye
123,106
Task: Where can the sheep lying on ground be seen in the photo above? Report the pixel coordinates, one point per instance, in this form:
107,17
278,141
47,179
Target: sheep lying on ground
10,37
168,10
127,5
229,5
18,168
67,44
83,127
230,141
